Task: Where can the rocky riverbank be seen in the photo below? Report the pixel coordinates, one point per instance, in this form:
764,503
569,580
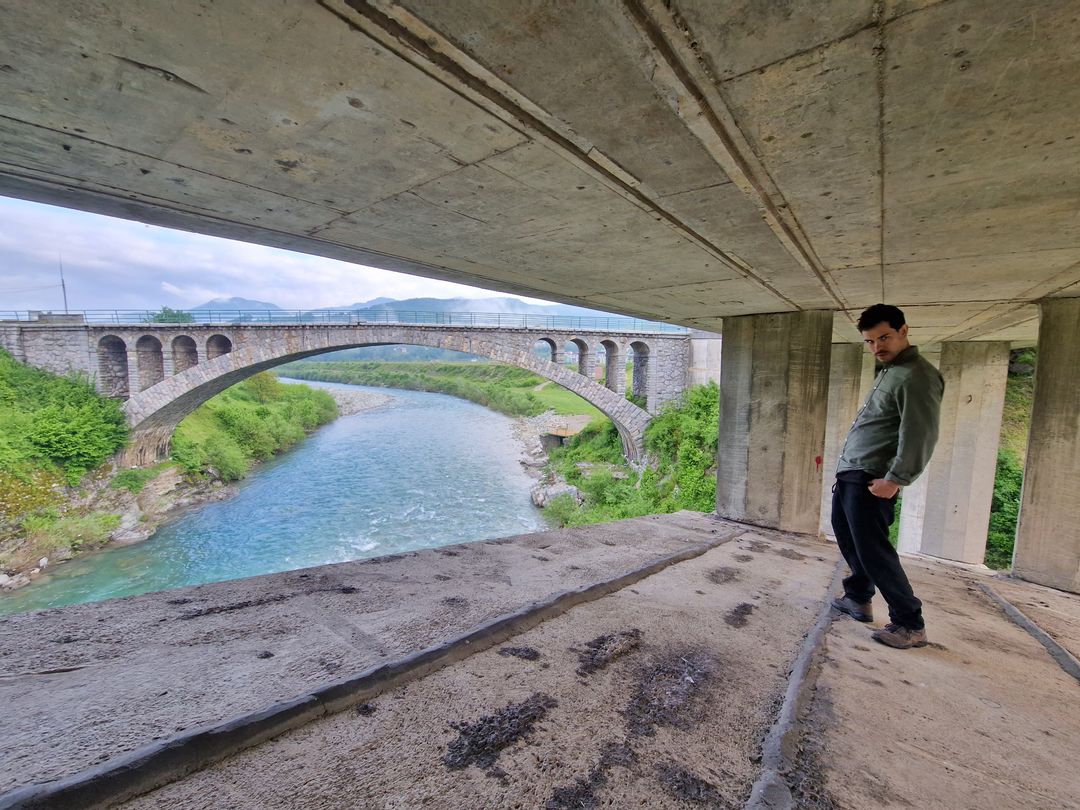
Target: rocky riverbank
530,431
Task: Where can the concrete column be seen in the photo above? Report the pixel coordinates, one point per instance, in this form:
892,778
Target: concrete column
851,375
946,512
615,371
774,379
1048,534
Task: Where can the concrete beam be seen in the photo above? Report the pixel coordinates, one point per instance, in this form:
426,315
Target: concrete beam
1047,537
773,392
946,511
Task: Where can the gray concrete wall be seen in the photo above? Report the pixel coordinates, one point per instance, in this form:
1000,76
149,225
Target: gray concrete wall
705,356
1048,535
773,402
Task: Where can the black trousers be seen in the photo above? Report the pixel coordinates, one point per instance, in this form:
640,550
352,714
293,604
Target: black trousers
861,522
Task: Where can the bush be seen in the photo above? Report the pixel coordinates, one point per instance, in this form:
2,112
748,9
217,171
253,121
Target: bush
49,533
135,480
1004,510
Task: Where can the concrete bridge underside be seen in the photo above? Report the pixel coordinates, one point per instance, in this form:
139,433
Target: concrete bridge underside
762,169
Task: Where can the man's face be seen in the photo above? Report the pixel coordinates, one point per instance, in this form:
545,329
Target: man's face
884,342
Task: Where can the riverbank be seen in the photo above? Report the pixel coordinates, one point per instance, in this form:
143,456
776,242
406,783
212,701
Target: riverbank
163,494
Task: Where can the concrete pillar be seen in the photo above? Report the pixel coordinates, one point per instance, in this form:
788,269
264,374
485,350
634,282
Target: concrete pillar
615,368
851,375
946,512
1048,534
774,382
704,359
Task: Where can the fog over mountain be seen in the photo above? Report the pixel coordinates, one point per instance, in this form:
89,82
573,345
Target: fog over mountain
507,305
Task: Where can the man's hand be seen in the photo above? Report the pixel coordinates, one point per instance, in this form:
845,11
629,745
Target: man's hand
883,489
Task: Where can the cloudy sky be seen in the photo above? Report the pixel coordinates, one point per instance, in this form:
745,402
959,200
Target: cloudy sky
116,264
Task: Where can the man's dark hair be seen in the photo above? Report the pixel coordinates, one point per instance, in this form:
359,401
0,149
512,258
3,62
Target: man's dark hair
878,313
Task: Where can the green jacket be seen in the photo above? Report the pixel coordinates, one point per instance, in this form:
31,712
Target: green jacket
896,429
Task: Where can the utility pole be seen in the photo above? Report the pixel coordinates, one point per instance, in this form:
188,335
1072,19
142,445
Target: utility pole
63,286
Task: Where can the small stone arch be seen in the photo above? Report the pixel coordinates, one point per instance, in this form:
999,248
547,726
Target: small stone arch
552,349
113,367
150,361
614,375
640,378
217,345
185,353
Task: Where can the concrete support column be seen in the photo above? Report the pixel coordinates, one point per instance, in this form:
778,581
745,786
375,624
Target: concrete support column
851,375
615,370
774,379
946,512
1048,534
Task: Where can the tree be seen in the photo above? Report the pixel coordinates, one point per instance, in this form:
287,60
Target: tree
170,315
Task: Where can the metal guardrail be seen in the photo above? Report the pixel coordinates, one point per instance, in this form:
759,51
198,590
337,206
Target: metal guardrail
345,317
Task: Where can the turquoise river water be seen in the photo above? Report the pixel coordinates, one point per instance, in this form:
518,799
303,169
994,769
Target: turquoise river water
428,470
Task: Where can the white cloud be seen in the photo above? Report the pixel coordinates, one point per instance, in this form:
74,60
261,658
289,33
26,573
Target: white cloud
118,264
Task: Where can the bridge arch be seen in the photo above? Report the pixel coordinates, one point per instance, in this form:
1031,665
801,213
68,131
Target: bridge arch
217,345
185,353
149,361
113,366
639,377
155,412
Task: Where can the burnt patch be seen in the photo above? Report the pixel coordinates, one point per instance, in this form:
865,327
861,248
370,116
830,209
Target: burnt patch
758,546
689,787
524,653
791,554
667,691
264,654
386,559
722,576
479,743
581,793
744,557
737,616
604,649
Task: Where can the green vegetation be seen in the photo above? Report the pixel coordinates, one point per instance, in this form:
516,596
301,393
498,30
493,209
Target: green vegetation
135,480
53,425
247,423
681,443
1009,478
169,315
507,389
49,533
556,398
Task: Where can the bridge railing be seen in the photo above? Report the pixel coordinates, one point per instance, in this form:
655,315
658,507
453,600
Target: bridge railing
504,320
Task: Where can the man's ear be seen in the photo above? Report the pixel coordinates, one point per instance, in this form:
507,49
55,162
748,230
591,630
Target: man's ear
902,331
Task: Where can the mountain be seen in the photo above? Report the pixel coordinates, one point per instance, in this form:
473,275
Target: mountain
235,304
507,305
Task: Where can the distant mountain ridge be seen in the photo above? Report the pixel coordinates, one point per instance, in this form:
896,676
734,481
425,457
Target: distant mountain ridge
506,305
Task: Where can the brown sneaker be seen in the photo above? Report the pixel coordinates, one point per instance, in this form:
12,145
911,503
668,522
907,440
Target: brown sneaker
894,635
859,611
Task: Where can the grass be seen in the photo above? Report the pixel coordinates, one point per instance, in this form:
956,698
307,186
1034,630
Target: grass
565,403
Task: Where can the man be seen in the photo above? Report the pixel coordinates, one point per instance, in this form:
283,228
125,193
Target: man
887,447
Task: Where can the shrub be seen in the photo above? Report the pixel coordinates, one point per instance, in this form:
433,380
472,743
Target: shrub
135,480
1004,510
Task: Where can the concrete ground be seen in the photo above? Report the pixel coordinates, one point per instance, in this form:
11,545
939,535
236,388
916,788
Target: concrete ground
659,694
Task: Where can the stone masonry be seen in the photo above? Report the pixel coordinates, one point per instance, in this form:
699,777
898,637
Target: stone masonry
164,385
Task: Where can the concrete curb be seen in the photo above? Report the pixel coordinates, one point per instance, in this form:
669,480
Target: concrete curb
1064,658
771,790
151,766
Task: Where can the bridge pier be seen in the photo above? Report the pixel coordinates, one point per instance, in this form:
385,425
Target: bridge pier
146,447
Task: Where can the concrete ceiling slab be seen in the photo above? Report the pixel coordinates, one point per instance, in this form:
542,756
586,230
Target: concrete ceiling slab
683,160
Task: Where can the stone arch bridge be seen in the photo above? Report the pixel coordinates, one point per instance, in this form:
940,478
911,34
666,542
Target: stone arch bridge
165,371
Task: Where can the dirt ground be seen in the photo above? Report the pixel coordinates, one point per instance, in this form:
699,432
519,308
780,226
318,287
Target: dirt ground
658,695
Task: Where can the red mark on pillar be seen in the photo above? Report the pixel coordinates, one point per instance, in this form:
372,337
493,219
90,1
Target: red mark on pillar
817,461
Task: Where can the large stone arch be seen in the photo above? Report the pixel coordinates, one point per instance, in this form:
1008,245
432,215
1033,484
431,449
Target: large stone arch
154,413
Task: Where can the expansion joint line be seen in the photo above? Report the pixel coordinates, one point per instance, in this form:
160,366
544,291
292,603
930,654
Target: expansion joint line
456,70
879,78
674,46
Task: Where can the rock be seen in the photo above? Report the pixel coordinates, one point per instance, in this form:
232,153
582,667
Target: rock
543,495
4,580
43,562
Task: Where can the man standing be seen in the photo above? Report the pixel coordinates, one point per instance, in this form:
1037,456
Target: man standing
887,447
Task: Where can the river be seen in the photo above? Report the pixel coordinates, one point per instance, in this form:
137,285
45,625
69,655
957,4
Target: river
427,470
